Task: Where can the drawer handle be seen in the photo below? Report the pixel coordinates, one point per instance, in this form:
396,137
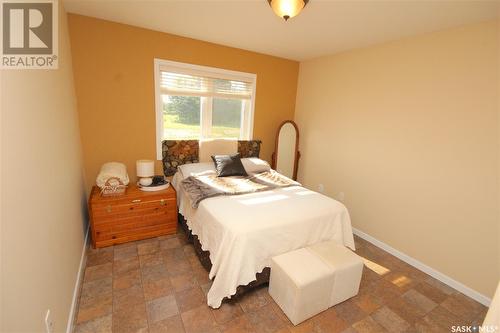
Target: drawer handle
163,202
136,200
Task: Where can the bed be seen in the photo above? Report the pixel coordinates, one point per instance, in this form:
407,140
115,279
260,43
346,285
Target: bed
235,236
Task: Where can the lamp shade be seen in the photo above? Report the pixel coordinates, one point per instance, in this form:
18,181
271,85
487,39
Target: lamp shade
287,8
145,168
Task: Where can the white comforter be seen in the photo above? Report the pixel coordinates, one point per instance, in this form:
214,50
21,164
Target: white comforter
243,232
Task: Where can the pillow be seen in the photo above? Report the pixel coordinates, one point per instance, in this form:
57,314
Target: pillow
190,169
209,147
229,165
255,165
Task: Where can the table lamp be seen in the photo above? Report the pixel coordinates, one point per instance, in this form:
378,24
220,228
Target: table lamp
145,171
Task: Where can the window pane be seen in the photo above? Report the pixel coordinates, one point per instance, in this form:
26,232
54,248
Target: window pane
181,117
226,118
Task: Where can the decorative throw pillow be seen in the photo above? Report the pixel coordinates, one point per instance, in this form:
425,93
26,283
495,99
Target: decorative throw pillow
229,165
255,165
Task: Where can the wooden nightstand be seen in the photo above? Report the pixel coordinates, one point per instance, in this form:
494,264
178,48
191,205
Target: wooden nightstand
132,216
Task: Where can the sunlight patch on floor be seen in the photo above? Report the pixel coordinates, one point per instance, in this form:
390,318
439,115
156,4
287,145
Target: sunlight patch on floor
401,281
379,269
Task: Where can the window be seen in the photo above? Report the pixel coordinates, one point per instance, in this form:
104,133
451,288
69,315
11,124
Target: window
198,102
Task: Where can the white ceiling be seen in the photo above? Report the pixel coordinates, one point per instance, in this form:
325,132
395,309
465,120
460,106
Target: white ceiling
324,27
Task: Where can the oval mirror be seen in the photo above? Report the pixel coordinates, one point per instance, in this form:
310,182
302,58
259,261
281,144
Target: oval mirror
286,153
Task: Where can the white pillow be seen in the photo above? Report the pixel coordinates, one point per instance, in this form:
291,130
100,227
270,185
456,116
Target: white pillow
255,165
209,147
190,169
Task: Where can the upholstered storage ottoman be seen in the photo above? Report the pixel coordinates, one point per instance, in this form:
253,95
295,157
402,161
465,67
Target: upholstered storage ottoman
308,281
301,284
347,267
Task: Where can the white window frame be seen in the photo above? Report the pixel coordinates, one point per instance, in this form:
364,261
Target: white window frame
247,118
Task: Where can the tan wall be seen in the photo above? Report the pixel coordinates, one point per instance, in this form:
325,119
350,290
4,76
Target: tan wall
42,194
408,131
114,79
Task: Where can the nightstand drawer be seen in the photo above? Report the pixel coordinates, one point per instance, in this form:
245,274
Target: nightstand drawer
116,214
118,221
137,235
124,230
122,237
136,206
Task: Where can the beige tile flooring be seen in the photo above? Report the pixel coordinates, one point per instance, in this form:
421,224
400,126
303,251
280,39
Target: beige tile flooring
158,285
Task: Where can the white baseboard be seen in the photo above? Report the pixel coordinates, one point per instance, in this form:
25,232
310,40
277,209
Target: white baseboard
426,269
81,270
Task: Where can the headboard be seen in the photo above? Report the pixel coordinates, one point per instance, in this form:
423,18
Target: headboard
179,152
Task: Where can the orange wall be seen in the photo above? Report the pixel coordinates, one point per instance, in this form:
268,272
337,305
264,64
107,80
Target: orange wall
114,81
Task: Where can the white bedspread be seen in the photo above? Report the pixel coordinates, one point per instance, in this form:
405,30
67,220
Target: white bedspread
244,232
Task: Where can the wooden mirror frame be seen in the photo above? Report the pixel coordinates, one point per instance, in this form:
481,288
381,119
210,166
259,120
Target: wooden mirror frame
297,152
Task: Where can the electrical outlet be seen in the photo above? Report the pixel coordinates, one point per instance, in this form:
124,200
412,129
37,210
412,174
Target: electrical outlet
49,323
321,188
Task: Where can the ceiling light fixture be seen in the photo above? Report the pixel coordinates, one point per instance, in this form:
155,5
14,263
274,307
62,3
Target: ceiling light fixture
287,8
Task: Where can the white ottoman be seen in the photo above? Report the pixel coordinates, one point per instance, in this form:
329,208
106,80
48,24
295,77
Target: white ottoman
348,268
301,284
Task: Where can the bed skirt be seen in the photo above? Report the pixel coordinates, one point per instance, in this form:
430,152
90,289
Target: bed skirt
204,256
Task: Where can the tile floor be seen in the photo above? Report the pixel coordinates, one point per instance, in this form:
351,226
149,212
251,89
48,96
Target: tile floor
158,285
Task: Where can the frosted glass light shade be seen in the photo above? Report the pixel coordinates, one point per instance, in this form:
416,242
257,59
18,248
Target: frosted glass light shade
287,8
145,168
